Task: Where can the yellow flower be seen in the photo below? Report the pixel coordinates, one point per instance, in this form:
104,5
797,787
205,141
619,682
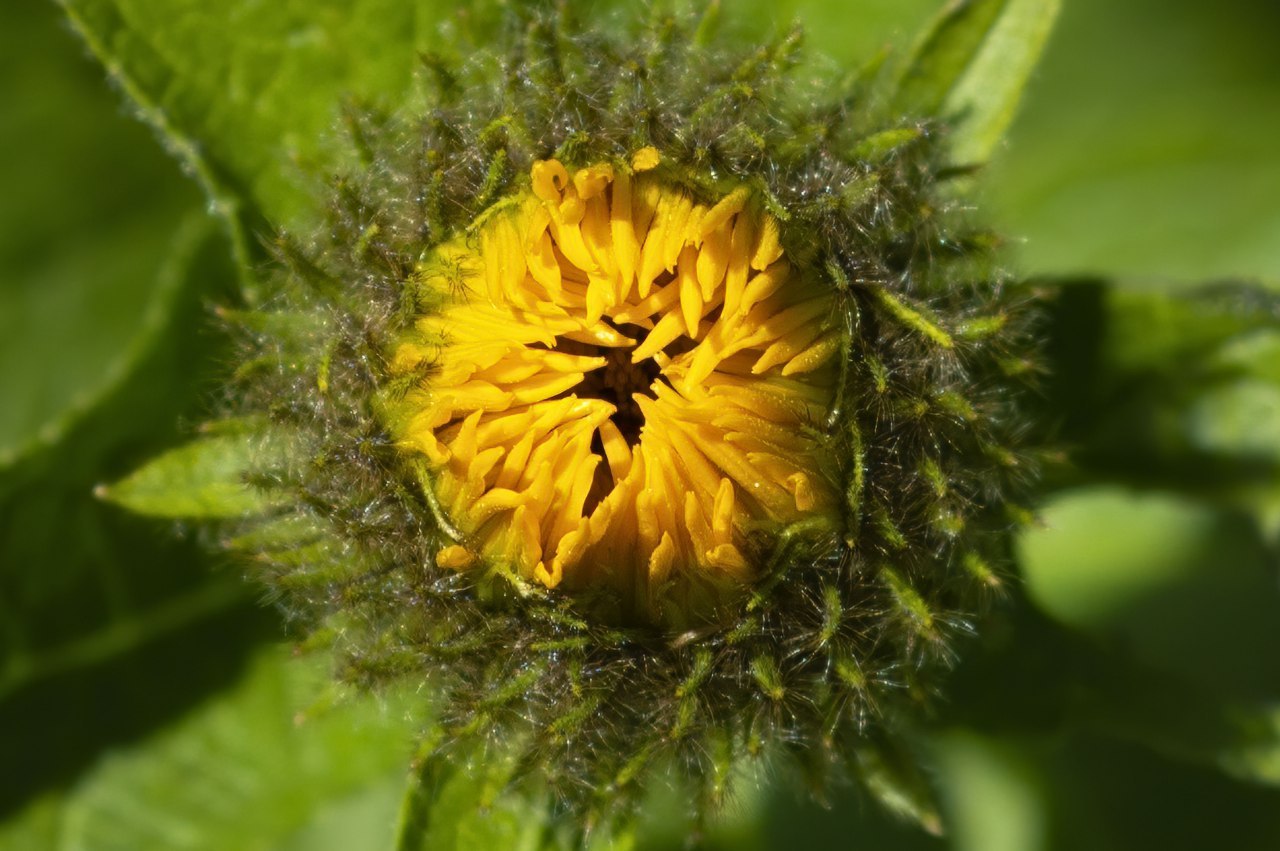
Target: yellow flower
647,407
623,377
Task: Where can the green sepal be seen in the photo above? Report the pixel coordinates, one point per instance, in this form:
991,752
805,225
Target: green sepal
891,774
879,146
206,479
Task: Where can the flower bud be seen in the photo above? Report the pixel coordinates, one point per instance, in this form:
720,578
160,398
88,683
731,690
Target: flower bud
649,405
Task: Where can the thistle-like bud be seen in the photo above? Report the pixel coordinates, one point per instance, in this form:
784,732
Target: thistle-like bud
650,405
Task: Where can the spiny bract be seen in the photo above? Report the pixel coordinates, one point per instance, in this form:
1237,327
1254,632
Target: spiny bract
829,472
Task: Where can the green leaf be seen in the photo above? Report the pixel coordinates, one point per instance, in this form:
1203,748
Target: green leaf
847,32
1073,789
993,798
157,318
942,52
262,766
971,66
1154,163
1171,390
203,480
1167,389
1177,584
248,94
95,604
1152,328
34,827
89,211
1035,676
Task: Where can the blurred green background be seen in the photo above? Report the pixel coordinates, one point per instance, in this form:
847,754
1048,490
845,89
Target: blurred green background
1132,700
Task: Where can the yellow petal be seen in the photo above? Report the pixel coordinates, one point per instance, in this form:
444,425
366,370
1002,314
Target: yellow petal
769,247
645,159
622,228
543,266
593,180
722,512
690,292
725,209
741,246
814,356
455,558
549,179
662,560
729,559
616,450
713,261
668,329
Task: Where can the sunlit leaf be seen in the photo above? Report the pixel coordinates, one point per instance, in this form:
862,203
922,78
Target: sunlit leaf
1176,583
254,768
971,67
1147,149
992,792
248,95
86,220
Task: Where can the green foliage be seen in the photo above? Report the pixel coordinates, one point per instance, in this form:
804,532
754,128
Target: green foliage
79,270
1175,393
1143,566
971,66
90,598
1146,149
259,766
140,707
247,95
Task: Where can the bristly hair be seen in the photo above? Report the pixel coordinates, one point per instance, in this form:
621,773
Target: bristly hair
841,643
